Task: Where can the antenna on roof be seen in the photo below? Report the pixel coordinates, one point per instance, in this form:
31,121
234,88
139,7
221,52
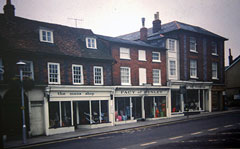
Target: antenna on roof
76,20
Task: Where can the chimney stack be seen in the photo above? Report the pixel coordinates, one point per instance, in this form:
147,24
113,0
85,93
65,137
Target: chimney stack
143,31
230,58
156,23
9,9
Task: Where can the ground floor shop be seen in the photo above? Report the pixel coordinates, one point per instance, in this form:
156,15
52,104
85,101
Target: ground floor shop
218,97
138,103
187,96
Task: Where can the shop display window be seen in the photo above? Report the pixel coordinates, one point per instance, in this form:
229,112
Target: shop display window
84,112
149,107
104,111
192,103
160,106
122,109
175,101
137,107
59,117
95,112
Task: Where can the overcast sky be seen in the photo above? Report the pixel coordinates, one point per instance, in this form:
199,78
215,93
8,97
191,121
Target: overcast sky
118,17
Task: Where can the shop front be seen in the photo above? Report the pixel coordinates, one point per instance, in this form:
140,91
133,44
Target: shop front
188,96
141,102
71,107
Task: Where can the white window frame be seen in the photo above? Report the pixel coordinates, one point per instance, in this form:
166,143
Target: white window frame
171,69
94,75
214,47
142,55
31,69
47,31
92,44
58,73
1,69
172,45
81,75
215,77
155,76
193,68
159,57
142,76
124,53
129,77
193,42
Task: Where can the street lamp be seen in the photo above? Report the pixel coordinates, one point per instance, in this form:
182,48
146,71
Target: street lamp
21,64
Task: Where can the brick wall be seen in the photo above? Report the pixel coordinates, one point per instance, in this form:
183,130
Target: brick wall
135,64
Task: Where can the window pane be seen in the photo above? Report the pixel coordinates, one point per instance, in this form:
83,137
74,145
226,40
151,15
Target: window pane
53,73
124,53
95,112
84,112
160,106
193,44
125,75
44,36
122,107
98,75
77,74
172,68
54,120
104,111
66,113
156,76
171,44
156,56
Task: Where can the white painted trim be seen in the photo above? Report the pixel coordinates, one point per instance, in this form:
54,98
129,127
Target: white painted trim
41,35
95,42
98,67
81,69
59,73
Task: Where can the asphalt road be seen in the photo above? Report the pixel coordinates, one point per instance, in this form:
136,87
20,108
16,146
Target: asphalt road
218,131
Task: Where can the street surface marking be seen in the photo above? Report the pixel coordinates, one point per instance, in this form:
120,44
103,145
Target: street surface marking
228,126
196,133
145,144
212,129
174,138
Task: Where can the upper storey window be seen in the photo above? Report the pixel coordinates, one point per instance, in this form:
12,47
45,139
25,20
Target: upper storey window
214,70
91,43
28,69
193,69
214,48
172,44
46,35
156,57
193,44
53,73
141,55
124,53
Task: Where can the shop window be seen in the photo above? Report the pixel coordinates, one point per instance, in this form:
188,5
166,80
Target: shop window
136,107
192,102
95,112
141,55
122,109
83,112
54,115
60,117
149,107
104,111
124,53
160,106
175,101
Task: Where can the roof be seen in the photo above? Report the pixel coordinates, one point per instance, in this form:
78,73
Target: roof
23,34
169,27
129,42
235,61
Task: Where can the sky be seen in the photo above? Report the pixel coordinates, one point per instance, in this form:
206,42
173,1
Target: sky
119,17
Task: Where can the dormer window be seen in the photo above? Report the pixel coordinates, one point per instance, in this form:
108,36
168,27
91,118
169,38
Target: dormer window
46,35
91,43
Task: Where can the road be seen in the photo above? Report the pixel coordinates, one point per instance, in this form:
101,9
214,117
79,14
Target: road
207,132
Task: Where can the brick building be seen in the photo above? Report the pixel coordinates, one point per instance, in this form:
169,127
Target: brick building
139,78
195,64
66,68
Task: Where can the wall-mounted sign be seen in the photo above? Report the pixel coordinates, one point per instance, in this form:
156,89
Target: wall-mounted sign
141,92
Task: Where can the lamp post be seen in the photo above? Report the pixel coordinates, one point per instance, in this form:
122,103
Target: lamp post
21,64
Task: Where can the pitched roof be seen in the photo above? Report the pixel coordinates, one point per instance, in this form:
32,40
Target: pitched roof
128,42
23,34
235,61
169,27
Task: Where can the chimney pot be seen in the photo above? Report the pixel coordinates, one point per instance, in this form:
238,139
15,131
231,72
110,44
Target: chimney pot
143,31
9,9
156,23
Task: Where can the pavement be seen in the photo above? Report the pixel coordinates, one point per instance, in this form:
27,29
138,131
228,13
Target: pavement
98,131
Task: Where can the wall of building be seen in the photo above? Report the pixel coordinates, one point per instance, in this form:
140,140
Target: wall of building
135,64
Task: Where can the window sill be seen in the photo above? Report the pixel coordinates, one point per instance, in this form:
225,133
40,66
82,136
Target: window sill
157,84
193,51
214,54
215,78
53,83
194,77
78,84
156,61
126,84
142,60
125,58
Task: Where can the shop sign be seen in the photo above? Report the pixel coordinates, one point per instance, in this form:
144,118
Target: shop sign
141,92
72,94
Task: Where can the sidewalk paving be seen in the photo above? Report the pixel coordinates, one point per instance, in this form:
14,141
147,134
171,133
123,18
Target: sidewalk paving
87,132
